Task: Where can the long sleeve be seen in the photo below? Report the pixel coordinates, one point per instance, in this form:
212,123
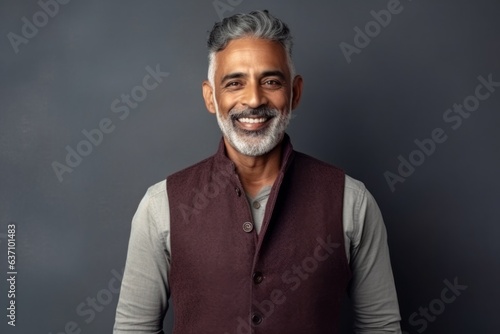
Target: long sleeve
144,293
372,290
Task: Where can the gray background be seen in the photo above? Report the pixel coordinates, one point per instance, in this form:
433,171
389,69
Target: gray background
442,221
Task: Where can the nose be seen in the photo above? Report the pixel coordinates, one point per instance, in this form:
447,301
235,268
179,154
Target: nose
253,96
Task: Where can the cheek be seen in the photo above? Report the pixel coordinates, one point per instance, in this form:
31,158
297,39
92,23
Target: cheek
226,102
224,107
281,102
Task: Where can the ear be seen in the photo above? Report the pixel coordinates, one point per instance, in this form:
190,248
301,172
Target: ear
208,96
296,90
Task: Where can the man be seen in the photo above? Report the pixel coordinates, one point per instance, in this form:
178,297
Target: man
258,238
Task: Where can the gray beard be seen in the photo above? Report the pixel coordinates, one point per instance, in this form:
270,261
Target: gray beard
254,143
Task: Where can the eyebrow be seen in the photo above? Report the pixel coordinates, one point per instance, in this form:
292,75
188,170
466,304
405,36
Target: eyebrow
238,75
276,73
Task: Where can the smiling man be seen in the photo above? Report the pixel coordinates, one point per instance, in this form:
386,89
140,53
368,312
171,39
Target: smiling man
257,238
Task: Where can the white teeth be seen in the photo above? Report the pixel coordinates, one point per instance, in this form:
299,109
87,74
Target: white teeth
252,120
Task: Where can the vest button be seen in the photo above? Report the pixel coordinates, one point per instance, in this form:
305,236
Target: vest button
256,319
257,277
247,227
238,191
256,205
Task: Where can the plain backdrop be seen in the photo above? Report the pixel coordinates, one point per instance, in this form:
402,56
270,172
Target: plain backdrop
364,115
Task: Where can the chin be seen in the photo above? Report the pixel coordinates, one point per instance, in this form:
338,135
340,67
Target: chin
262,147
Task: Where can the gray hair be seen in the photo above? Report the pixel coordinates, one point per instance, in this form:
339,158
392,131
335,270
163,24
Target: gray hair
258,24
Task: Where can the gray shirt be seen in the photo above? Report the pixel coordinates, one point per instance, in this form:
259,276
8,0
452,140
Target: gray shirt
145,290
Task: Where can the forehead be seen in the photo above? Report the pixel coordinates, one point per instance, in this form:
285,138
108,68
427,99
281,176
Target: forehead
251,54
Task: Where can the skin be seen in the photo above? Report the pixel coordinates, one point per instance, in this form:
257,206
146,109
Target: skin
249,73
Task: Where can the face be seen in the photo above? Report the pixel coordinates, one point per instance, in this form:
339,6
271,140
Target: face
253,94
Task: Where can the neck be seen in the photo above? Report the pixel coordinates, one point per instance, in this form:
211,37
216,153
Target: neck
255,172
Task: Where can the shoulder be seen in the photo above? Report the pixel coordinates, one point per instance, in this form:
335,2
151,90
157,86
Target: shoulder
156,191
354,198
153,211
155,200
313,162
357,197
354,187
317,173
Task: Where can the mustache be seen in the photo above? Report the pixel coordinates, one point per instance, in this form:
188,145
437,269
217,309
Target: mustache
263,111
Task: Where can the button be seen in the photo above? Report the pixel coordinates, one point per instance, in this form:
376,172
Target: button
256,319
247,227
257,277
238,191
256,205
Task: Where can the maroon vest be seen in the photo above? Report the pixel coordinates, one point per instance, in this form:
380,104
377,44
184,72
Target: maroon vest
227,279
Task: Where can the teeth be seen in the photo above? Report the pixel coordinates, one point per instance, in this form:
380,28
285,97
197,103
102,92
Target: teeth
252,120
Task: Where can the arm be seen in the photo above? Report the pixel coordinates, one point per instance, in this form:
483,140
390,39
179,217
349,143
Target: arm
144,293
372,288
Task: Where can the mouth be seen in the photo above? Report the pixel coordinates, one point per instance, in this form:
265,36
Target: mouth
253,123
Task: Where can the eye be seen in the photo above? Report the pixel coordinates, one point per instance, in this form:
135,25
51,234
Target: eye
233,84
272,83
